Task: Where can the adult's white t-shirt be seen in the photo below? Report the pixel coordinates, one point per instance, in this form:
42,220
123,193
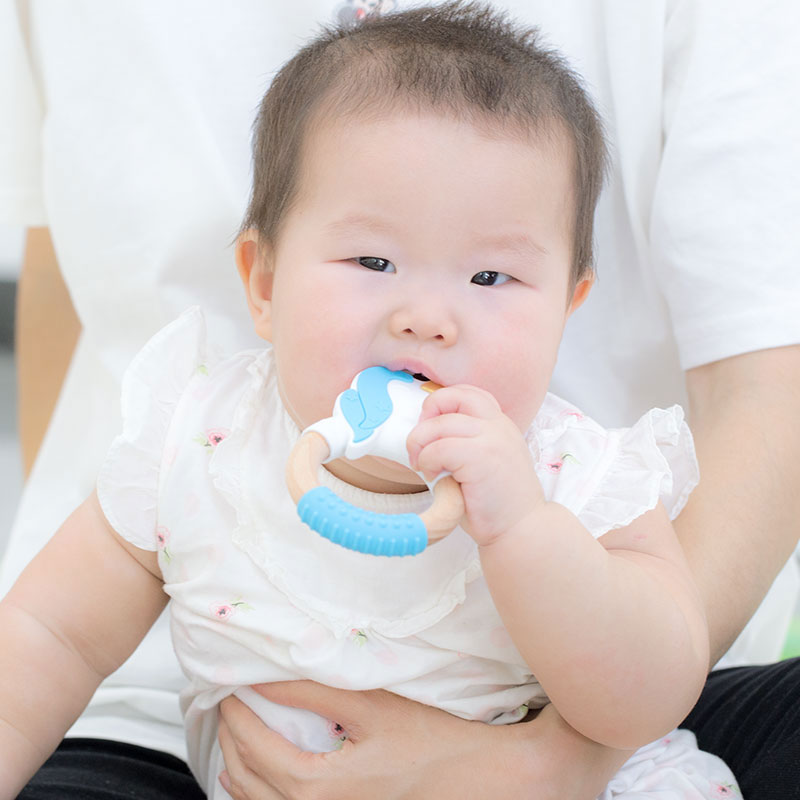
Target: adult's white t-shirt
126,131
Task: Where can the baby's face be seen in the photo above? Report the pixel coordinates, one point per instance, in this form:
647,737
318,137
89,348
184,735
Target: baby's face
420,243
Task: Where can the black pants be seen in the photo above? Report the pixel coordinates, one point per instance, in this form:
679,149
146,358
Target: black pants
97,769
750,716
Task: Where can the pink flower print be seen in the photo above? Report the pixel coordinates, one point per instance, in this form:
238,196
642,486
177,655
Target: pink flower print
337,733
724,790
224,611
557,465
212,437
216,435
572,413
358,636
162,538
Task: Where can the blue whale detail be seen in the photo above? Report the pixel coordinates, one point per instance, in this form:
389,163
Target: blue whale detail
369,405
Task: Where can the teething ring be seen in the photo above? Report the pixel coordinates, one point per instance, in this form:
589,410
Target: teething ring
366,531
345,524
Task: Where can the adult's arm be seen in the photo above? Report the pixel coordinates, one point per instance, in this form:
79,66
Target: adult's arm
742,522
47,330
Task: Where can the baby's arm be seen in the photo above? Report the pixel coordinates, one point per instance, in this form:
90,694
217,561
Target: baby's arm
613,628
73,616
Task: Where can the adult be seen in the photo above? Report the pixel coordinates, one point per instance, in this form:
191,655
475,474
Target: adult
127,137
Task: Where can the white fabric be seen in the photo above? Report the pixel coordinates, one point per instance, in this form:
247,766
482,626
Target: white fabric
125,129
199,475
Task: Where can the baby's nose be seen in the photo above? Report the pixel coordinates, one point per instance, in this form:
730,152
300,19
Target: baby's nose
425,321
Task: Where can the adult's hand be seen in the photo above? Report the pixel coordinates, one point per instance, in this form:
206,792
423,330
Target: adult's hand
399,749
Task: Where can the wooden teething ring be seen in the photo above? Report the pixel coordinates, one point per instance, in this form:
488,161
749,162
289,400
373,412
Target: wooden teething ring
312,450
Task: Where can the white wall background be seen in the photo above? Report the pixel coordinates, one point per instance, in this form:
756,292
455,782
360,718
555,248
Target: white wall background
10,252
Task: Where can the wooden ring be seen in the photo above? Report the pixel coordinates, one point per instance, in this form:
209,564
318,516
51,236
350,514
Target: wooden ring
366,531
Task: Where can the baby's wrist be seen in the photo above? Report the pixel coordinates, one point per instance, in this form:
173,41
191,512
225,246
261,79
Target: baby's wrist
518,526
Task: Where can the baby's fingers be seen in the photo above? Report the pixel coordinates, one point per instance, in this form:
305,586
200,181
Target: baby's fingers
460,399
445,456
433,430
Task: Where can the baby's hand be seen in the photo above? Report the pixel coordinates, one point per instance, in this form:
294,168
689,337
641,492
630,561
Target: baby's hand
462,430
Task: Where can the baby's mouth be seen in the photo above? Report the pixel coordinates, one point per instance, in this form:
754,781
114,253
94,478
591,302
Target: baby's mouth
418,375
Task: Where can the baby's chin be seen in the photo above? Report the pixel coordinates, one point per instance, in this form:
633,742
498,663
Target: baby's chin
376,474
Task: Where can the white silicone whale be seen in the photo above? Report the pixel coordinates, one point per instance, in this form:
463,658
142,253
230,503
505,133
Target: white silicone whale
373,417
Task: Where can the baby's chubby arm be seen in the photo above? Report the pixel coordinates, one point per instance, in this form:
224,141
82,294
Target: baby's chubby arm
613,628
73,616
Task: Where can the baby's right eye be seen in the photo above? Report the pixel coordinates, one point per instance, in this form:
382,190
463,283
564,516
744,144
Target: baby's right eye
377,264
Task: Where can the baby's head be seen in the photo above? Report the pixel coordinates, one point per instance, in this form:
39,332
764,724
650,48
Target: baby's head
463,61
423,197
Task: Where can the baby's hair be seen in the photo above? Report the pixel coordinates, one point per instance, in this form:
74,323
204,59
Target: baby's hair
465,60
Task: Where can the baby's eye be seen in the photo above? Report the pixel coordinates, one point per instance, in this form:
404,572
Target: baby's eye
378,264
488,278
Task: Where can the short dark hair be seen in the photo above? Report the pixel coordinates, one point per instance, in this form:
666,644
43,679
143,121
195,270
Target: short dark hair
463,59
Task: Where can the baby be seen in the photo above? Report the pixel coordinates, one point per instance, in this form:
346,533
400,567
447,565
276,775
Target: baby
423,197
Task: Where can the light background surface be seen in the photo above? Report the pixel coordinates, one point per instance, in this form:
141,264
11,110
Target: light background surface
10,252
10,464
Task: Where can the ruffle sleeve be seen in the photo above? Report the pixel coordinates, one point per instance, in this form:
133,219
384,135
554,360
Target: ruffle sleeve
152,387
608,478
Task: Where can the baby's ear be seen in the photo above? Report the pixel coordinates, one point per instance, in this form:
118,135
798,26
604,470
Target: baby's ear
581,291
253,260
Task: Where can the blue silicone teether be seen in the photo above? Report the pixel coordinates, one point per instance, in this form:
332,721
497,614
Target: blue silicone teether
373,417
366,531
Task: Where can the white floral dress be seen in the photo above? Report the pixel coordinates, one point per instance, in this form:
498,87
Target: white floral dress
198,474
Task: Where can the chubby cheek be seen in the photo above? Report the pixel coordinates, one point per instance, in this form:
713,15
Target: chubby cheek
317,354
518,374
309,384
519,390
522,408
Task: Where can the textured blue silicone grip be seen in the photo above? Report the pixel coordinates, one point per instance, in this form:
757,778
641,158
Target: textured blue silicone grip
365,531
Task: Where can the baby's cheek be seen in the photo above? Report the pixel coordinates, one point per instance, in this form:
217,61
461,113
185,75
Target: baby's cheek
523,397
305,393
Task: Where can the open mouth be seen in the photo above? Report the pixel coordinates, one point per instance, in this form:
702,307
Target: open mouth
418,375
